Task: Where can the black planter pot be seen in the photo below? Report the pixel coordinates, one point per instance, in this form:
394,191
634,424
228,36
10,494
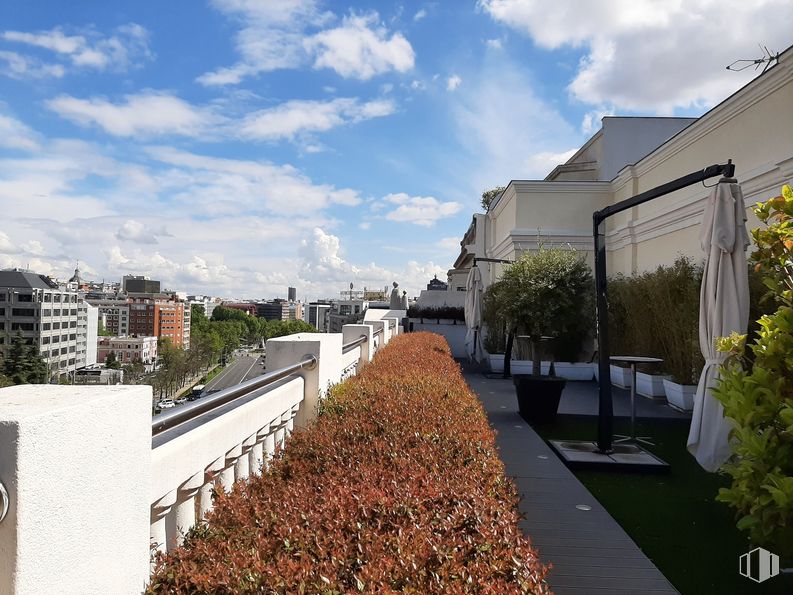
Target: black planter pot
538,396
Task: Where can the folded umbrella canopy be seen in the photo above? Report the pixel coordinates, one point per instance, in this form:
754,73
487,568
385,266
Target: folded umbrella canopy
473,314
723,309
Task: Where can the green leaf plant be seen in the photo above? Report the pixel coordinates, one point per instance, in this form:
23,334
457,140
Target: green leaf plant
758,395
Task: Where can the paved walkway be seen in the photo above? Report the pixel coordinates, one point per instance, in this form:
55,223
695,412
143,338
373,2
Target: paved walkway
590,552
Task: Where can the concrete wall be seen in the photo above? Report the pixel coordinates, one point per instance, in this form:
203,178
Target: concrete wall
454,334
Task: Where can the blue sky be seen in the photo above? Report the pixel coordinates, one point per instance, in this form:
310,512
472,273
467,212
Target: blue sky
235,147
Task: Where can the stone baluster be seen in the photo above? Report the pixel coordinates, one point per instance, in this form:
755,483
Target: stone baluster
242,467
205,496
257,452
159,512
186,508
227,474
269,440
280,432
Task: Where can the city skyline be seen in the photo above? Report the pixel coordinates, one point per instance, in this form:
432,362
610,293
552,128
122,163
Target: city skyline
238,148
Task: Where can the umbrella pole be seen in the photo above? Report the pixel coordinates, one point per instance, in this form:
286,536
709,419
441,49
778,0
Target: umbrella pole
605,409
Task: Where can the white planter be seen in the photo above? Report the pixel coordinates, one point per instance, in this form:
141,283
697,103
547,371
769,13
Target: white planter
621,377
566,370
496,362
680,396
573,371
651,385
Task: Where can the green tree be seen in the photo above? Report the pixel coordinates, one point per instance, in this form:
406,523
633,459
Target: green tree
23,364
488,196
111,361
102,331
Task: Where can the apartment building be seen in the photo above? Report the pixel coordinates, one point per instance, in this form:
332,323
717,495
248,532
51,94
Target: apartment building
46,315
275,310
158,315
114,315
128,349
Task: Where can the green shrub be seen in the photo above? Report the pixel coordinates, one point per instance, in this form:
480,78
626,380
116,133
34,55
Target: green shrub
396,487
656,314
437,312
758,395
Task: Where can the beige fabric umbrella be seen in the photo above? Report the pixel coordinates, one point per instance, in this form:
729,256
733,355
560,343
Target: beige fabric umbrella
723,309
473,314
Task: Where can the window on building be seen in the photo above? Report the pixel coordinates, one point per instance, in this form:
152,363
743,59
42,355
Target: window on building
46,312
64,350
72,349
21,326
64,337
47,297
56,312
45,340
2,311
73,324
23,312
56,297
73,337
56,338
2,297
25,297
56,325
45,326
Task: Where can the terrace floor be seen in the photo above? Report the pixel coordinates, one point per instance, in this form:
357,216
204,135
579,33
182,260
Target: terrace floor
589,550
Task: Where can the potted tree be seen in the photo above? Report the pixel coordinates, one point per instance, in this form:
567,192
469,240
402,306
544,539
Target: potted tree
547,293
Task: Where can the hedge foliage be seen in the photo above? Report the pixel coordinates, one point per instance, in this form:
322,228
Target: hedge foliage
397,487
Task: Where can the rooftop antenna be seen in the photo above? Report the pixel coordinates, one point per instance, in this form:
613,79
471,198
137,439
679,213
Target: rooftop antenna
768,60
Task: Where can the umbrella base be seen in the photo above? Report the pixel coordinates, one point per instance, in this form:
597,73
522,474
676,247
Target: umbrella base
625,457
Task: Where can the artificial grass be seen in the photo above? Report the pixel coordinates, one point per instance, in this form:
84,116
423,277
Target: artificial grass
673,518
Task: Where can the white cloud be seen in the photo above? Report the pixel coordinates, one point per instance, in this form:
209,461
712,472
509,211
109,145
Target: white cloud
17,66
146,114
508,131
591,121
365,225
291,34
325,270
296,117
360,49
451,244
6,245
453,82
135,231
420,14
218,185
421,210
652,55
16,135
493,43
126,47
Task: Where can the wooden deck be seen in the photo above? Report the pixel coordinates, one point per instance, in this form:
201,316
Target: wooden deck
589,551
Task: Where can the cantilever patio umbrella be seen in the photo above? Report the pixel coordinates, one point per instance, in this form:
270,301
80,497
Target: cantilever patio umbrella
473,314
723,309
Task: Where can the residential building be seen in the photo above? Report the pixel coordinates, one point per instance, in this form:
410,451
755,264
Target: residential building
43,314
113,314
158,315
128,349
295,311
207,303
274,310
316,315
139,284
345,312
753,127
87,333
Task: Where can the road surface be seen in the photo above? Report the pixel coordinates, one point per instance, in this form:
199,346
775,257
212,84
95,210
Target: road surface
243,368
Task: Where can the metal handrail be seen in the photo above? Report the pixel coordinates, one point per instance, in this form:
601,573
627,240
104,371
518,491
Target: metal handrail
173,418
391,324
378,331
347,347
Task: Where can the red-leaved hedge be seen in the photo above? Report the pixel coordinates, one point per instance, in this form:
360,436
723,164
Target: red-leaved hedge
397,486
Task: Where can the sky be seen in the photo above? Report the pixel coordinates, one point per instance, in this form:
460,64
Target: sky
238,147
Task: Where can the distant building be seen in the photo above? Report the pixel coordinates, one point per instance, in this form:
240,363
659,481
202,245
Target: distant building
292,294
159,315
250,309
317,316
128,349
114,315
139,284
437,285
43,314
87,333
274,310
345,312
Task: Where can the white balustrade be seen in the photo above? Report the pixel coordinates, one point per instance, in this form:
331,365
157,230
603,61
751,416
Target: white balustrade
103,436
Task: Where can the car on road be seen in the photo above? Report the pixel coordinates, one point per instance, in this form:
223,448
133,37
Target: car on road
165,404
181,400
